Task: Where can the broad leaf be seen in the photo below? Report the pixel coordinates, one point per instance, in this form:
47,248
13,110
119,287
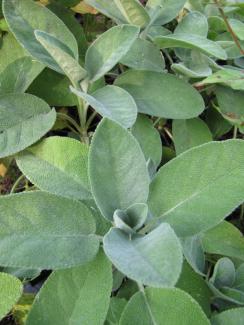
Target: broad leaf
143,55
112,102
84,291
223,274
191,42
116,308
62,56
154,259
10,292
232,316
108,8
148,138
58,165
195,180
224,239
193,23
107,50
163,306
133,11
155,94
24,17
24,120
40,230
163,11
190,133
194,254
117,169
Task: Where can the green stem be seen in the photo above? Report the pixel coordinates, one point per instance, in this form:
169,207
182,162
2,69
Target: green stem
141,288
235,132
14,187
90,119
70,120
242,212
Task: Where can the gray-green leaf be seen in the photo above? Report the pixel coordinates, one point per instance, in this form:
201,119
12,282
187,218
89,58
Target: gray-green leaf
232,316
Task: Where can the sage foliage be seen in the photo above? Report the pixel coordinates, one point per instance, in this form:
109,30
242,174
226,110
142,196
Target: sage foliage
121,132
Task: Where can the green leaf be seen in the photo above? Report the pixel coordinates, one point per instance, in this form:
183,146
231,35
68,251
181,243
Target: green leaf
194,254
19,74
154,259
108,8
40,230
224,273
163,306
11,291
163,11
229,317
216,123
112,102
237,27
75,296
189,41
195,285
199,175
144,55
190,133
107,50
117,169
62,56
59,166
53,88
193,23
224,239
24,120
116,308
133,11
23,17
155,94
231,104
148,138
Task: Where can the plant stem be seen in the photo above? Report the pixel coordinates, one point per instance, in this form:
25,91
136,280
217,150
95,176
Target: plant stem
70,120
242,212
235,132
233,35
141,288
14,187
90,119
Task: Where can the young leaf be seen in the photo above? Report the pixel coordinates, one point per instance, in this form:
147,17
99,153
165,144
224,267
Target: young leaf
163,11
40,230
62,55
116,308
74,296
24,17
148,138
195,180
232,316
24,119
133,11
190,133
224,239
112,102
108,49
163,306
144,55
59,166
224,273
117,169
155,94
10,292
154,259
189,41
194,254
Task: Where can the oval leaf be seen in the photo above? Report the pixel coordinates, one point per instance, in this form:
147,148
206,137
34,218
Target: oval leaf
233,316
40,230
117,169
195,182
24,119
154,94
133,11
154,259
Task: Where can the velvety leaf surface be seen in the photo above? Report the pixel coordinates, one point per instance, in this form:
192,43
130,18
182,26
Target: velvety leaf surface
148,138
23,17
112,102
10,291
40,230
116,308
233,316
190,133
163,306
154,259
133,11
224,239
117,169
58,165
154,94
74,296
24,119
107,50
205,176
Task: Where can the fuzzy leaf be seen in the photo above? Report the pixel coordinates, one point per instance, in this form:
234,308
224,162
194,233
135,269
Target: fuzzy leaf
133,11
232,316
